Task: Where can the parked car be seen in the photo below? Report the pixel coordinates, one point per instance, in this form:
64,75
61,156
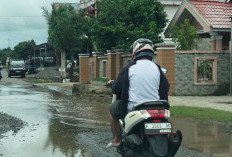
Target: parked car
30,67
17,68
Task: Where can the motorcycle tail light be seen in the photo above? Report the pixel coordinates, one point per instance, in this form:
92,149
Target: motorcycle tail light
159,113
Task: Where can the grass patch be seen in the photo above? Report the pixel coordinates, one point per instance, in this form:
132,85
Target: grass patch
35,80
201,113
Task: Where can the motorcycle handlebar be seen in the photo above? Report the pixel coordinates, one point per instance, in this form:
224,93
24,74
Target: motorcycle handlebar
107,85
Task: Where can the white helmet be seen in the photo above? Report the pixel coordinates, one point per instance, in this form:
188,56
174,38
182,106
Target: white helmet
142,48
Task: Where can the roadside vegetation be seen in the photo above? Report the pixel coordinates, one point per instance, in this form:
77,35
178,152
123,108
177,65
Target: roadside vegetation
201,113
121,22
4,53
21,51
114,24
185,36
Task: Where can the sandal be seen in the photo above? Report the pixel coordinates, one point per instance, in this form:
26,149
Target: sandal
109,145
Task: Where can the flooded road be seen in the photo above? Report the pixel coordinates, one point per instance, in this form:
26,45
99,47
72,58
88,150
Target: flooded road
61,125
206,137
53,122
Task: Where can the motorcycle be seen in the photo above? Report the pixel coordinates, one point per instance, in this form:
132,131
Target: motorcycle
146,131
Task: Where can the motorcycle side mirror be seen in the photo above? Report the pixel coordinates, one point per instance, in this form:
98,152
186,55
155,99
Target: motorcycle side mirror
164,70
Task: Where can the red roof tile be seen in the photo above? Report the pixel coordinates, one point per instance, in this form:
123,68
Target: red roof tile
217,14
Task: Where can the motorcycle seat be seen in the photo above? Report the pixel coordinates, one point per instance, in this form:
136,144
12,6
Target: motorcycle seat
160,104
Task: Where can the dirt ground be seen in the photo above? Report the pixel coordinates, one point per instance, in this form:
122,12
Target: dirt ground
8,122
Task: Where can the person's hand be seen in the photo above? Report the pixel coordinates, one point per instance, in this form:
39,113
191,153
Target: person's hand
110,81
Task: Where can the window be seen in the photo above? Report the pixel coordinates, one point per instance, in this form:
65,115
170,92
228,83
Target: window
205,71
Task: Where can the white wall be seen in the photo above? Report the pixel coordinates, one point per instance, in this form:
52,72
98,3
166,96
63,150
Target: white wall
170,7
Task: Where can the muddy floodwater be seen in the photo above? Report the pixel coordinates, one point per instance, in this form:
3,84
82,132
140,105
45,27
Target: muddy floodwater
206,137
60,125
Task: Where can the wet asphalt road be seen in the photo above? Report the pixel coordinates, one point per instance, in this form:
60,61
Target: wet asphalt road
57,124
61,125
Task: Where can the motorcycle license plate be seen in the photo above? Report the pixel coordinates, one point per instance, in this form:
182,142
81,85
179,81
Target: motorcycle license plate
158,128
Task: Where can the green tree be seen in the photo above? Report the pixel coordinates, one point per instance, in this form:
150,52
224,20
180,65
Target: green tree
185,36
24,50
48,17
65,29
85,26
120,22
4,53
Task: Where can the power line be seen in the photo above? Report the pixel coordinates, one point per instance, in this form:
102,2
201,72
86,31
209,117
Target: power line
22,16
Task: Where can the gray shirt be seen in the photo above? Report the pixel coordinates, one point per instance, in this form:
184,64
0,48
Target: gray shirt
144,80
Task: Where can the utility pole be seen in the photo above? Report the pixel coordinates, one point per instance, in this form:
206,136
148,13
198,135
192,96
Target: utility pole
40,57
34,55
95,7
8,42
45,50
231,58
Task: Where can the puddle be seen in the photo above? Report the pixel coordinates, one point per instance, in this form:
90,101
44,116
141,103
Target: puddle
206,137
42,141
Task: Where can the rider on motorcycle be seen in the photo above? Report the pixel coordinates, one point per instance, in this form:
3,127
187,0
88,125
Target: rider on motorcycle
141,80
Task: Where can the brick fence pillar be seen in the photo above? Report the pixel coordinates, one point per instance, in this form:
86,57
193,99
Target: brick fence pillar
111,70
166,59
118,63
84,68
96,65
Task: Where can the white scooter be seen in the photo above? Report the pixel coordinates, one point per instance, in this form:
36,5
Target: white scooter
146,131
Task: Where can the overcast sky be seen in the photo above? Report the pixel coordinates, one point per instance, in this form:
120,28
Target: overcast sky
22,20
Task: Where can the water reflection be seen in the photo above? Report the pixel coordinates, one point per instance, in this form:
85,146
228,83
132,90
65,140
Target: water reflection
71,116
63,138
204,137
44,135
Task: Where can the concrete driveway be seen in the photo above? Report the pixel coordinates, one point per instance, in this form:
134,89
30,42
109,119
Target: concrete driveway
223,103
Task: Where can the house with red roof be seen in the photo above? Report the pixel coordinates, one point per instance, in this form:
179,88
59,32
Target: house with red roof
205,71
212,20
